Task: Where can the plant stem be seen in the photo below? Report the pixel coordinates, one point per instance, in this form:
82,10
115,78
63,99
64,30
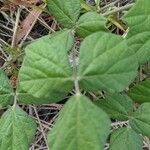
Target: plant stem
76,83
15,100
118,10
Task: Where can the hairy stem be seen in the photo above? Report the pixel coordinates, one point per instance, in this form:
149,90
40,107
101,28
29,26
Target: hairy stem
76,83
15,100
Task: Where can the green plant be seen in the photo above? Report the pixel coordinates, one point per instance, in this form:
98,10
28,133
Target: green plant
107,62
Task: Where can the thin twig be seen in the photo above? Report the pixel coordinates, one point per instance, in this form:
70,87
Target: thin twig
3,52
118,10
109,5
41,127
2,41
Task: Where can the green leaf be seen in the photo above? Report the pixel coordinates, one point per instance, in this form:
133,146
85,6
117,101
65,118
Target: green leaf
140,120
125,139
141,92
17,130
6,91
46,72
106,63
138,38
26,98
117,106
89,23
80,126
65,11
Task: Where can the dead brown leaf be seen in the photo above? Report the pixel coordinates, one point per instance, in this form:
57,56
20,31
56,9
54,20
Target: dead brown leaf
13,3
28,23
24,2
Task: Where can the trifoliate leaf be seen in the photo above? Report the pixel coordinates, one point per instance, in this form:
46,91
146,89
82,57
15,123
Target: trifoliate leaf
46,72
65,11
118,106
17,130
125,139
6,91
81,126
138,38
141,92
140,120
106,63
89,23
